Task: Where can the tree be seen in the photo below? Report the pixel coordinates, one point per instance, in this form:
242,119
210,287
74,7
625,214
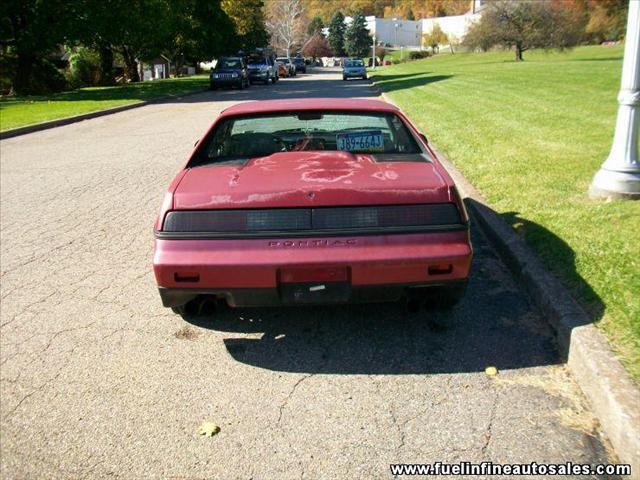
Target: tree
607,19
249,22
285,23
29,30
435,38
316,46
425,8
356,38
381,52
135,29
315,26
336,34
202,30
526,24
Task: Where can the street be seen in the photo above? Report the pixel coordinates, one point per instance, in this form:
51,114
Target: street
99,380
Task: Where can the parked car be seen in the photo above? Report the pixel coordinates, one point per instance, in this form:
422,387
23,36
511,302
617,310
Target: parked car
312,201
301,66
289,64
229,72
262,69
283,71
354,68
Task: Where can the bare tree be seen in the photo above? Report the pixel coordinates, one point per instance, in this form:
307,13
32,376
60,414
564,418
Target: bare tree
285,23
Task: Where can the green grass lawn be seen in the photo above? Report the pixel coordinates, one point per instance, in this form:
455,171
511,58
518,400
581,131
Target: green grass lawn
20,111
530,136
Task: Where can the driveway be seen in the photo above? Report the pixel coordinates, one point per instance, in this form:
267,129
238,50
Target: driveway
98,380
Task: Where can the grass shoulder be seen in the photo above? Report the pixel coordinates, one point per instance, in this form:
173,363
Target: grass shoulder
531,135
19,111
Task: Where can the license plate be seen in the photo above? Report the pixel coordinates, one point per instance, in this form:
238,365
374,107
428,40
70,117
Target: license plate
369,141
314,293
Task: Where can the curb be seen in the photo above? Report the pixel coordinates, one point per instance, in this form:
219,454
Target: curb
15,132
614,396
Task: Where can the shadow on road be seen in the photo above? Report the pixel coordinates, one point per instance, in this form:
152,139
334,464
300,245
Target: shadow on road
495,324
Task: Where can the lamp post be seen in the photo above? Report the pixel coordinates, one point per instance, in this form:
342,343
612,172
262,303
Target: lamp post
374,52
619,176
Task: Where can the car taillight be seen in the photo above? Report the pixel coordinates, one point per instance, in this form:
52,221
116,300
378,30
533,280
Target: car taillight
312,219
238,220
457,198
386,216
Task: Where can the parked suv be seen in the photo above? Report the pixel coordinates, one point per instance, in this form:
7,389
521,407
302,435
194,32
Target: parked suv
300,65
229,71
262,69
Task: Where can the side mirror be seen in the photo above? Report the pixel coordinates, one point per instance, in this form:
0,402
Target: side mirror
424,138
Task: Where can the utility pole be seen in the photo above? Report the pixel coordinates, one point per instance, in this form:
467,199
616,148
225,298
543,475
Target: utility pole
374,52
619,176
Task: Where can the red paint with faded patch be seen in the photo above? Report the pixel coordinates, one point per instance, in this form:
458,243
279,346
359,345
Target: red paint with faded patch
293,179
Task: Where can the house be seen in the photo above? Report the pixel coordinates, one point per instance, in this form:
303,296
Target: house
154,69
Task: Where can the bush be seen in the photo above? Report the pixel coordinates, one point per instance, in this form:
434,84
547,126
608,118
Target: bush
46,78
84,68
7,65
418,54
43,76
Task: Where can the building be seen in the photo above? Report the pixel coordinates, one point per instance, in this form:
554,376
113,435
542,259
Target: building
408,33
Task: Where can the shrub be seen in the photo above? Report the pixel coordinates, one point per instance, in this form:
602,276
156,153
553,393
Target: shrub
46,78
84,68
418,54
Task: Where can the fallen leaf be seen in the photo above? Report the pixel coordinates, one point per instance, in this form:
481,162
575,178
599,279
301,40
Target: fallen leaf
208,429
491,371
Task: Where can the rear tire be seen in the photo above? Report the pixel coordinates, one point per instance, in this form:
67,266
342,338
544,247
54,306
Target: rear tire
344,79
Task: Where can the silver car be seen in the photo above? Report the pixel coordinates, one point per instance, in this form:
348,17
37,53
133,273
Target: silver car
354,68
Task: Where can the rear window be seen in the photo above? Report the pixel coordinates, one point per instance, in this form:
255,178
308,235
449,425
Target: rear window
244,137
230,63
354,63
253,60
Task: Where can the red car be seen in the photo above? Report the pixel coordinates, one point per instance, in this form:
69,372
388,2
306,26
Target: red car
282,70
312,201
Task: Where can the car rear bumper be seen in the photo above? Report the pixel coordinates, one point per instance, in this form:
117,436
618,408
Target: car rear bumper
225,82
309,270
258,75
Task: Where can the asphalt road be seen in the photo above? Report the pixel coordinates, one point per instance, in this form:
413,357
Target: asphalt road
99,380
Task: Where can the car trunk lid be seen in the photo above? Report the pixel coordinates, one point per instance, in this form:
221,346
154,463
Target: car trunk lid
303,179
